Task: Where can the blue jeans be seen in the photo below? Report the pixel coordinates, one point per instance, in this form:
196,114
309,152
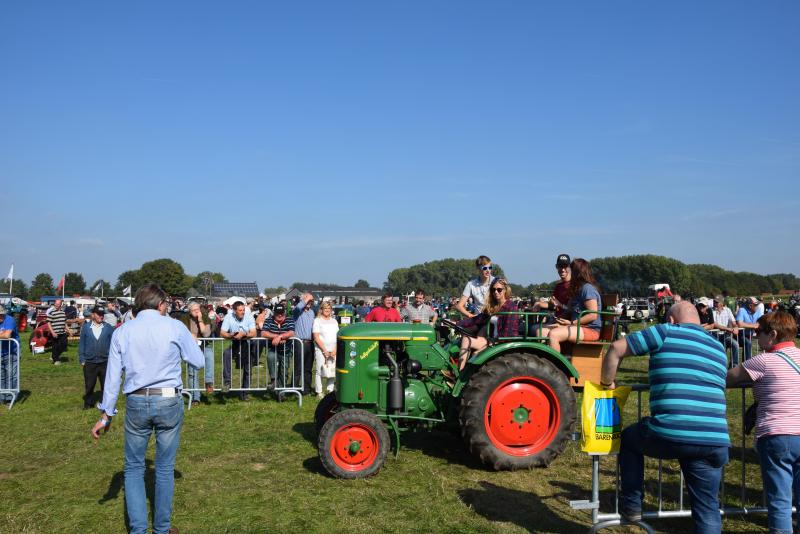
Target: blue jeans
193,373
143,415
701,466
746,341
780,471
280,360
729,340
9,374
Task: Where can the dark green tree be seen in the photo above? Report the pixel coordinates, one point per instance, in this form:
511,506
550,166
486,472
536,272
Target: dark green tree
361,283
167,273
128,278
42,285
74,284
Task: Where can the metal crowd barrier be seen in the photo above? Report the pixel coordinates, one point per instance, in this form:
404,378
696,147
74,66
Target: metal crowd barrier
9,370
247,366
602,520
738,347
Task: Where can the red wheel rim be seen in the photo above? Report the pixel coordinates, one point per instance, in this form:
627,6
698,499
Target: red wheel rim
522,416
349,456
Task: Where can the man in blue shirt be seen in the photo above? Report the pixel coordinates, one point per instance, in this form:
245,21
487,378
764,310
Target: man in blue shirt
747,318
149,351
238,326
687,421
9,356
304,314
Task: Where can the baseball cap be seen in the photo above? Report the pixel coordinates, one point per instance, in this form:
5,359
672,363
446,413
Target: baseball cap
752,300
279,309
99,310
562,260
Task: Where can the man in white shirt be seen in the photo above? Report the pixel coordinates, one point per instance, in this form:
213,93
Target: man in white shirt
725,322
477,288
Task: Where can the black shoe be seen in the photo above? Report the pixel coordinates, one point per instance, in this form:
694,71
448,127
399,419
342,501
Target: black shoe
244,397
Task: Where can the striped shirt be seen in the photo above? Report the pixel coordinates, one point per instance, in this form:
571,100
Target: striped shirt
58,320
270,325
420,314
777,389
687,383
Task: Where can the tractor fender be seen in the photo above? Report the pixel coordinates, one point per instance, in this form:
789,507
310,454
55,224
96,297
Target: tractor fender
490,353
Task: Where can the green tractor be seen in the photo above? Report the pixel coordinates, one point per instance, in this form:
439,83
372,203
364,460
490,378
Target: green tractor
513,403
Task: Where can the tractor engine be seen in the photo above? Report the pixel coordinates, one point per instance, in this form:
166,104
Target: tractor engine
381,373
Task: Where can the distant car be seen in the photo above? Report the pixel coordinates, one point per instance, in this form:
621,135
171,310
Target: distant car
637,311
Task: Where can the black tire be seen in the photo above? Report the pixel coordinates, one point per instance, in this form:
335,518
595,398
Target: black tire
498,382
346,425
325,409
638,315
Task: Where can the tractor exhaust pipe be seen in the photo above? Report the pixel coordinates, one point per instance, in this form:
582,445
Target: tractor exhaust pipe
394,393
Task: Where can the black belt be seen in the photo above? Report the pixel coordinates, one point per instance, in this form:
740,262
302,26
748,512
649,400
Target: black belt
158,392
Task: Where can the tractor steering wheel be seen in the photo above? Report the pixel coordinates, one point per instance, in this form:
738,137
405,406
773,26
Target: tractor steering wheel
459,329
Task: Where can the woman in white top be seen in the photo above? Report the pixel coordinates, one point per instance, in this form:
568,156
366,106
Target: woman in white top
324,331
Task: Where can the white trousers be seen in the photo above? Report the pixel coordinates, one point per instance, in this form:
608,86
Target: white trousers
319,361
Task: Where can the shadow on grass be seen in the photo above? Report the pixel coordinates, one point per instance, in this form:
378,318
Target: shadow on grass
23,394
314,465
522,508
440,444
117,482
308,431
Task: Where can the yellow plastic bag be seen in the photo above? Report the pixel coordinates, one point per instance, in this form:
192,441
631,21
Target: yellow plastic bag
601,417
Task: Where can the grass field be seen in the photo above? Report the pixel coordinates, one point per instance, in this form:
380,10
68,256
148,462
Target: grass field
253,467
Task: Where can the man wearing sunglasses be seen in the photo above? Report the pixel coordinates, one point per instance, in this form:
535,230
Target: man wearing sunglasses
477,288
558,302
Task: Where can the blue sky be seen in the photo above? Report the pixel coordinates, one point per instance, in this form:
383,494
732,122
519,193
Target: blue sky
334,141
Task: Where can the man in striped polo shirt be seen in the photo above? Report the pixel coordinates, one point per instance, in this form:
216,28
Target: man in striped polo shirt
57,323
687,412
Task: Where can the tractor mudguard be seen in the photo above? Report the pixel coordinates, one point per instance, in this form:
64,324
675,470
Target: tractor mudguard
515,346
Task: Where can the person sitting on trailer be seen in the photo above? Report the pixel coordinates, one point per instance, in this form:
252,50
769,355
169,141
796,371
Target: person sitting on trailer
584,296
507,325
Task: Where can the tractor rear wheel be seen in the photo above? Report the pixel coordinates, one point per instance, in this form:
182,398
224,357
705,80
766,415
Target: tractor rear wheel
353,444
517,412
325,409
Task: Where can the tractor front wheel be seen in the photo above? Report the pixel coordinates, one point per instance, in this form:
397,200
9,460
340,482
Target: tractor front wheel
353,444
517,412
325,409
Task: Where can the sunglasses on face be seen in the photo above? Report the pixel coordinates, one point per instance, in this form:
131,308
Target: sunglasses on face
486,268
498,289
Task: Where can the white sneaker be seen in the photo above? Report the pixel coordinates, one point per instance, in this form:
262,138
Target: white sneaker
58,362
320,396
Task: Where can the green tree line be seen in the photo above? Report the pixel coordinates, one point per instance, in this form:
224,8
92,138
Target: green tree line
630,275
627,275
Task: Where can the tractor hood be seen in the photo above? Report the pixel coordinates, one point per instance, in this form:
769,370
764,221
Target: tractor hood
389,331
